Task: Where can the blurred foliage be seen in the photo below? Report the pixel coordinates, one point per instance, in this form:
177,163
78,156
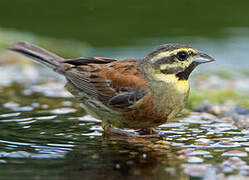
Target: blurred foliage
198,97
62,47
110,23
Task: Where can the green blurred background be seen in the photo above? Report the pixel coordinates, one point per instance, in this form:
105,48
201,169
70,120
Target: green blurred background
118,23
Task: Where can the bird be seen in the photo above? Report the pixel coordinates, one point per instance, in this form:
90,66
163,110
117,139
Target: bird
140,93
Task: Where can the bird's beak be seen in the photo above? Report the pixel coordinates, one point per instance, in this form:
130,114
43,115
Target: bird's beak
203,58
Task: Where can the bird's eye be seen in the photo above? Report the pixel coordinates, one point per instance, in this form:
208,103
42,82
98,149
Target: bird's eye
182,55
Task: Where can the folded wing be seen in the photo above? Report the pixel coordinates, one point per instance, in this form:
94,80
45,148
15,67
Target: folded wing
117,84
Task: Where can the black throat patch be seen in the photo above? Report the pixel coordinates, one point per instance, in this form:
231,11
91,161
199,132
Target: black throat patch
184,75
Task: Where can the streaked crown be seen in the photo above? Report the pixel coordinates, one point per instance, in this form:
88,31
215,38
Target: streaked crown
173,59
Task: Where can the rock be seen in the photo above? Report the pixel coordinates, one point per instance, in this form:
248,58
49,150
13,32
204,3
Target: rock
238,110
242,121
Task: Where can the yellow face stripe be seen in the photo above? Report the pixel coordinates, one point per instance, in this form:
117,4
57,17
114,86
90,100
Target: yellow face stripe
181,64
174,52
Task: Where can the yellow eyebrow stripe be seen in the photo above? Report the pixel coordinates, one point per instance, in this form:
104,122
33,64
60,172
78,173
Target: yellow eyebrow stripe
169,53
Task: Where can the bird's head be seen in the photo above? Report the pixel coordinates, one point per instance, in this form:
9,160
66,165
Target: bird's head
176,59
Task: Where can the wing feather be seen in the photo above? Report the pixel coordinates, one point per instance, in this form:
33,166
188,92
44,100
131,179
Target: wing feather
117,84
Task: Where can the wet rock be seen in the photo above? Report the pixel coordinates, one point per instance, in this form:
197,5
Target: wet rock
185,151
241,121
237,110
194,159
198,153
234,161
239,115
203,142
226,144
199,118
215,109
227,119
235,153
196,170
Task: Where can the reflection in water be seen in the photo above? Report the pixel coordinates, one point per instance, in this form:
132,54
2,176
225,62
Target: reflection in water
53,137
71,140
122,160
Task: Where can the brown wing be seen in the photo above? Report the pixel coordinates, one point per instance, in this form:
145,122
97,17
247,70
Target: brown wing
115,83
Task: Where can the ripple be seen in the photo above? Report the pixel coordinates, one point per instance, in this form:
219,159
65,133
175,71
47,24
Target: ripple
24,154
61,145
16,143
17,120
9,115
63,111
46,117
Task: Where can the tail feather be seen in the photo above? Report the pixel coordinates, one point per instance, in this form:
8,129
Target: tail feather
37,54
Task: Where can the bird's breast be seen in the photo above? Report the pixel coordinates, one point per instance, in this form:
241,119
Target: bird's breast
170,96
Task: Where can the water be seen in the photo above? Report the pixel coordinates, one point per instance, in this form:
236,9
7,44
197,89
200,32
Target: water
45,134
48,135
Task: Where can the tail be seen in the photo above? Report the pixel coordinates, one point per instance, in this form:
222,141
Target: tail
37,54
